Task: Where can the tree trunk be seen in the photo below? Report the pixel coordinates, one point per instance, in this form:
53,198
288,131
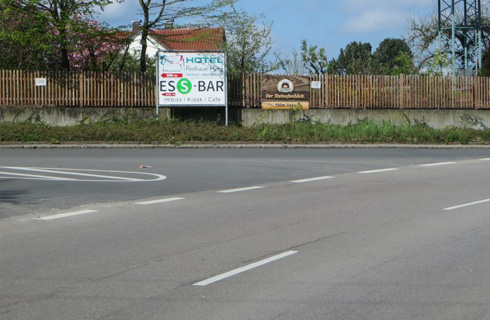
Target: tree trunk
144,37
65,60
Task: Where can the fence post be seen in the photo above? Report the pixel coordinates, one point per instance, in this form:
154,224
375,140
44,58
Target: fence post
81,89
475,93
402,91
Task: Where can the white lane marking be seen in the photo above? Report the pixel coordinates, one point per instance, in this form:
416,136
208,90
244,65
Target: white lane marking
311,179
485,159
467,205
436,164
159,201
243,269
241,189
65,215
154,176
73,173
378,171
35,176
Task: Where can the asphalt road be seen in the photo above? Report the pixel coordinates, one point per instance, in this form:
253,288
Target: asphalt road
246,234
186,171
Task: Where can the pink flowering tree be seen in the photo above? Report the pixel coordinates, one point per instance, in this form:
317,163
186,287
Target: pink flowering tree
66,34
94,47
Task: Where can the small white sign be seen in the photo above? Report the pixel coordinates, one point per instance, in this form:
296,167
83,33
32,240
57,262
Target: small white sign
41,82
316,85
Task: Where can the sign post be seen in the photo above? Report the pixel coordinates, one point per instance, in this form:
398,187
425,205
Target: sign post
192,79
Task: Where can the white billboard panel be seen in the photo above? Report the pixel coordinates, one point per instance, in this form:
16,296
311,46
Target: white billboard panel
191,79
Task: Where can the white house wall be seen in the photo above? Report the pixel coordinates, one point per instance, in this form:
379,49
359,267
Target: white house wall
152,46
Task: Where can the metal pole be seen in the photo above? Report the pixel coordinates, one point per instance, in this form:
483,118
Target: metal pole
480,44
157,71
453,40
465,35
439,38
226,87
226,116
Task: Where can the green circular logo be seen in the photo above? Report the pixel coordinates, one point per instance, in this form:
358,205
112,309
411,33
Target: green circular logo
184,86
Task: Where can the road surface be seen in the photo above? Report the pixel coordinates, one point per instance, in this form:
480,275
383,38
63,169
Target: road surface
245,234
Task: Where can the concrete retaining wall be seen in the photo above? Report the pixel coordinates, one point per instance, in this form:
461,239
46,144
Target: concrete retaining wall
435,118
479,119
65,116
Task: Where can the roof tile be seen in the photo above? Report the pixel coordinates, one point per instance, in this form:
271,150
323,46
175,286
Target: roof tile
200,39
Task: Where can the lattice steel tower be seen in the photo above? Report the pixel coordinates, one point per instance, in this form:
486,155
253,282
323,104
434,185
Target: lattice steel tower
460,34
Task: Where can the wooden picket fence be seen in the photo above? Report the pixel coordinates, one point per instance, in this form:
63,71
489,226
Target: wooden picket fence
92,89
77,89
379,92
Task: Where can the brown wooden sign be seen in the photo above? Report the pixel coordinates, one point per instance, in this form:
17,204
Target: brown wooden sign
285,92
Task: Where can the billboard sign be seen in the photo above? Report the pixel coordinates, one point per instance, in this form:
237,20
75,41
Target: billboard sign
191,79
285,92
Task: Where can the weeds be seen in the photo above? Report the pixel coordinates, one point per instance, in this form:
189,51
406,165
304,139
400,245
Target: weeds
176,133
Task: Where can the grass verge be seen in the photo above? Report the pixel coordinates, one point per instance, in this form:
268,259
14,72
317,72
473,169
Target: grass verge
174,132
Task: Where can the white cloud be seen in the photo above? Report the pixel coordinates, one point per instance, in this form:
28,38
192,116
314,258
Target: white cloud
361,5
121,13
369,16
375,20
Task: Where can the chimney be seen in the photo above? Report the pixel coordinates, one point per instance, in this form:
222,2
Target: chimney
136,25
169,24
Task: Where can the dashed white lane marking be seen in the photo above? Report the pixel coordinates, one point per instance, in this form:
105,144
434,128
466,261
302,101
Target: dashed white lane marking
312,179
378,171
66,215
241,189
243,269
467,205
159,201
436,164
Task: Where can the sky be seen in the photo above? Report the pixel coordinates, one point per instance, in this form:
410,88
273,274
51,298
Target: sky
331,24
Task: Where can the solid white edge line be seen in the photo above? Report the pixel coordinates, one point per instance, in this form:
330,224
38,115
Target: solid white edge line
65,215
35,176
241,189
159,201
243,269
436,164
467,205
73,173
159,177
311,179
378,171
485,159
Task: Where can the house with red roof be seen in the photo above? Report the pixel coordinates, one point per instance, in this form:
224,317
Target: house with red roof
183,39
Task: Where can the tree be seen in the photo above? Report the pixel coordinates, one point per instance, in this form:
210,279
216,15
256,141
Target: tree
438,65
155,12
393,56
24,43
404,64
248,43
355,59
294,65
485,70
422,37
314,59
59,25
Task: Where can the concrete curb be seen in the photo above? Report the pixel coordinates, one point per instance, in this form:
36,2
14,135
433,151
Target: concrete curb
240,146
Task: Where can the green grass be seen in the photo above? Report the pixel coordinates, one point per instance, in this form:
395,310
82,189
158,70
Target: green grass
174,132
